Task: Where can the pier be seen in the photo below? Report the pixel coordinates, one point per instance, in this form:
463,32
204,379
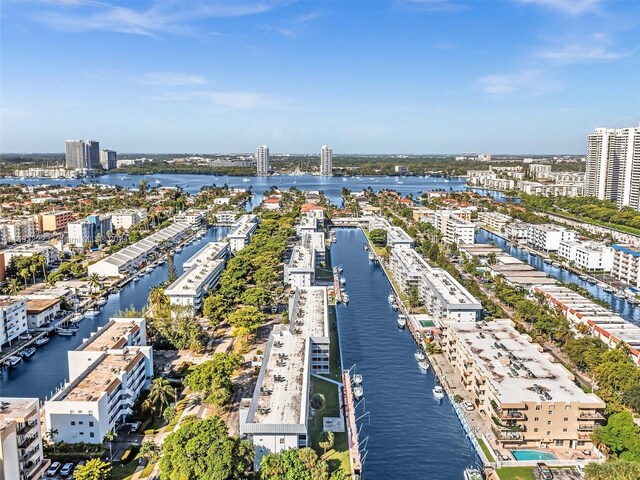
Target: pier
348,402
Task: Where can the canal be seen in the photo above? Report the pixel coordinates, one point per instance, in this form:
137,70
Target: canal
411,435
48,369
622,307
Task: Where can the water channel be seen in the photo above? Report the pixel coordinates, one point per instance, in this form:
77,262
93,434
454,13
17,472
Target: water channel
622,307
411,435
43,373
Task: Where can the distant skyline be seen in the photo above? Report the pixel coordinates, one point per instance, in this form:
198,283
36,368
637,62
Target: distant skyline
385,77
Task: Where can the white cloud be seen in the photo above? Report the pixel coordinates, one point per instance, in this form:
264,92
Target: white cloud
240,100
171,79
526,82
593,48
570,7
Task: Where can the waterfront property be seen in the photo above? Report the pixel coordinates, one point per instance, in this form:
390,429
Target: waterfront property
518,231
276,417
528,400
626,264
21,455
454,228
13,319
41,311
300,271
591,256
441,294
602,322
547,237
193,217
309,318
396,236
30,249
131,258
494,220
201,273
241,232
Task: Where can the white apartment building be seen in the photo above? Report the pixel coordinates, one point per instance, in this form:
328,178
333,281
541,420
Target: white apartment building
192,216
441,294
307,224
263,161
396,236
126,219
227,218
309,318
315,241
575,189
41,311
626,264
547,237
326,161
592,256
613,166
454,229
201,273
28,250
518,231
13,319
17,230
494,220
539,170
21,454
242,231
80,232
300,271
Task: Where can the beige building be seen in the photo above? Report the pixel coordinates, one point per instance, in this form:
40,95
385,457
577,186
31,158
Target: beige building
54,221
528,400
20,441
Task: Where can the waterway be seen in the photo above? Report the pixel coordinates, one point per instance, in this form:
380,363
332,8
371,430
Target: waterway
411,435
48,369
622,307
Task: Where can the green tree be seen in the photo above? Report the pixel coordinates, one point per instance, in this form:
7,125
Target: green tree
204,450
256,297
149,450
94,282
94,469
613,470
215,308
169,414
213,378
378,237
326,441
620,437
161,392
293,464
245,321
109,437
13,287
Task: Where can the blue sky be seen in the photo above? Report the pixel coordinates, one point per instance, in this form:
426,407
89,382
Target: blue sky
398,76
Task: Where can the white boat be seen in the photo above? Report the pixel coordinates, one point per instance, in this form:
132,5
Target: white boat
345,298
344,179
618,294
92,312
65,332
420,356
371,256
583,277
394,306
39,342
13,361
157,181
340,269
424,366
246,179
402,322
343,281
136,278
547,261
178,250
438,392
357,379
471,473
102,301
358,392
27,352
148,270
162,261
391,299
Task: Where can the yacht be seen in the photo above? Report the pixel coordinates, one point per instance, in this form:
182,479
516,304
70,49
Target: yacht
424,366
618,294
345,298
371,256
402,322
391,298
532,253
148,270
394,306
357,379
40,342
92,312
358,392
246,179
583,277
592,280
420,356
547,261
472,473
608,289
343,281
13,361
438,392
178,250
340,269
102,301
162,261
157,181
27,352
65,332
556,264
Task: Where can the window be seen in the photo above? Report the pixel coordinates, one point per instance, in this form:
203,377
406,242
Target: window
80,422
564,429
73,423
91,424
538,407
550,412
581,443
549,422
559,443
281,441
536,419
535,429
567,407
548,433
91,434
566,419
81,433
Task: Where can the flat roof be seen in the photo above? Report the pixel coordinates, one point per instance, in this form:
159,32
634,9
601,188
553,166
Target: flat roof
195,277
35,306
113,335
210,251
516,368
243,226
301,258
17,409
449,289
309,315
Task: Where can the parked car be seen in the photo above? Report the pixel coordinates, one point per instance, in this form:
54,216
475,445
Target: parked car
25,336
134,426
53,469
544,471
67,470
468,406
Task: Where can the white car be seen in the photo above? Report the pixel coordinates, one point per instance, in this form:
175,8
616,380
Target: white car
25,336
468,406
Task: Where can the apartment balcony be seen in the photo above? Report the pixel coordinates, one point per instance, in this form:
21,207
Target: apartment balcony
590,416
586,428
507,435
27,441
512,415
27,427
29,454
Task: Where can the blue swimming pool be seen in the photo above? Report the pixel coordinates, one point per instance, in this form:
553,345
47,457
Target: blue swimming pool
522,455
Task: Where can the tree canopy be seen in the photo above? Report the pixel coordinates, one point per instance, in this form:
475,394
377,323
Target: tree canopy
293,464
94,469
213,378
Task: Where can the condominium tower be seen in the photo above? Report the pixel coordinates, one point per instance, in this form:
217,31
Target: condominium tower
108,159
263,161
82,154
613,166
326,161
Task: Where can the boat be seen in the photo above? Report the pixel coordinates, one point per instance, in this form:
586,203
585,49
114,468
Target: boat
358,392
608,290
438,392
102,301
13,361
334,240
42,341
532,253
424,366
592,280
27,352
472,473
246,179
157,181
65,332
344,179
148,270
345,298
343,281
178,250
391,298
136,278
73,327
357,378
402,322
420,356
340,269
557,265
371,256
162,261
547,261
366,247
394,306
618,294
92,312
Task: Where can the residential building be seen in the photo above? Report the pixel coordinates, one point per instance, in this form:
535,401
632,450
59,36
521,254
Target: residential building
575,189
315,241
17,230
226,218
271,203
547,237
528,400
453,228
592,256
603,323
484,157
108,159
263,161
201,273
518,231
192,217
300,271
41,311
613,166
80,232
309,318
13,319
307,224
326,161
54,221
82,154
423,214
242,231
539,170
126,219
396,236
102,224
29,249
626,264
401,169
21,453
494,220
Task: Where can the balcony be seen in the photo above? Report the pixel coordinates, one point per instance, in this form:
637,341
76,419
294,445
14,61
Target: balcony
586,428
512,415
27,441
27,426
590,416
507,435
29,453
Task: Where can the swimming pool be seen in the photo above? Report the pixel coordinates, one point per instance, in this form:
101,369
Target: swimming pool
522,455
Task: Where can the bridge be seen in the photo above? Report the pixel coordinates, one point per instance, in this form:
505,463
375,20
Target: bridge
350,221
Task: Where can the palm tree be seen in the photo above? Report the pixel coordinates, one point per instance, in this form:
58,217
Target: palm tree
149,450
42,262
94,281
161,392
24,273
13,287
50,436
33,268
157,298
110,436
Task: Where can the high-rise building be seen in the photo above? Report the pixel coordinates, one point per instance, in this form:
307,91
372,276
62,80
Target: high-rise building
82,154
108,159
326,161
613,166
263,161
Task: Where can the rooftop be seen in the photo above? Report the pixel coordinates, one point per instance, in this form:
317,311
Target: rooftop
195,277
210,251
113,335
243,226
35,306
18,409
301,258
309,313
516,368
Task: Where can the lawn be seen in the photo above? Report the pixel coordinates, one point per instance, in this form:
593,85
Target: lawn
515,473
486,451
339,455
335,365
123,472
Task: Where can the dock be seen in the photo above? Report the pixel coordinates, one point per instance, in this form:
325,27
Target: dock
337,293
348,402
